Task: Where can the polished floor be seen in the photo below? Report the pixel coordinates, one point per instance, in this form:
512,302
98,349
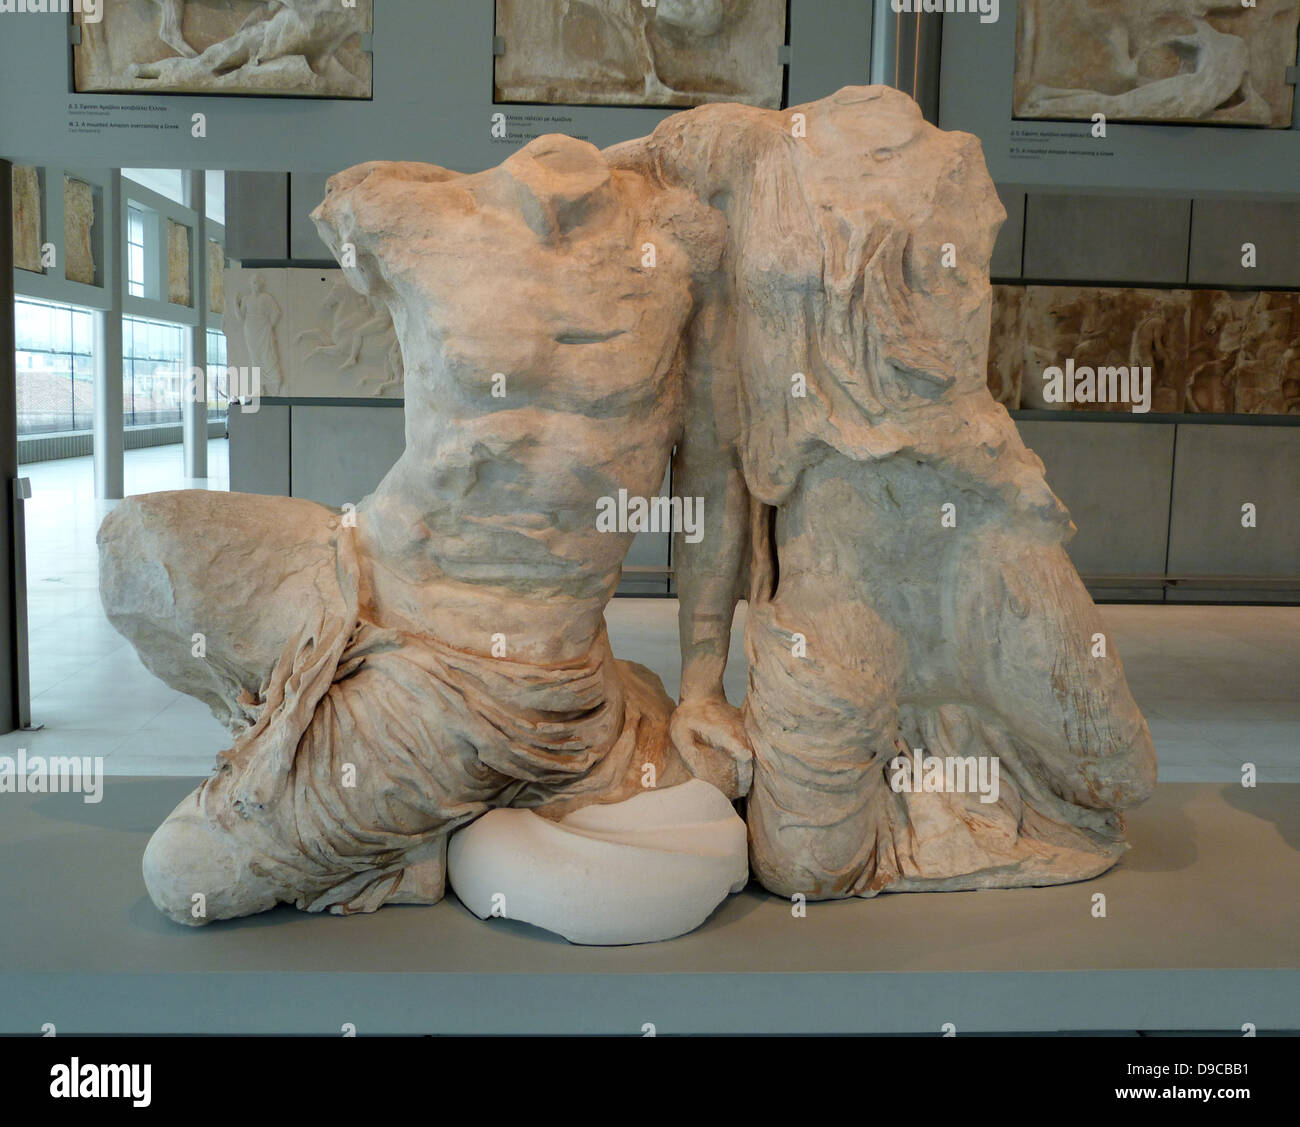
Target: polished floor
1220,686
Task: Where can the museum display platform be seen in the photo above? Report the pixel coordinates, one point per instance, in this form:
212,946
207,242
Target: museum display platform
1199,933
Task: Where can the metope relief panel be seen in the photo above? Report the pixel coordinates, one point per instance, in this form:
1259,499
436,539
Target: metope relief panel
216,277
178,264
78,231
308,48
1244,353
1097,349
311,335
27,218
1007,346
623,52
1216,62
1208,352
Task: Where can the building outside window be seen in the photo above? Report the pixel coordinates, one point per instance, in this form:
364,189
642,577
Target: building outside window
56,367
153,371
218,388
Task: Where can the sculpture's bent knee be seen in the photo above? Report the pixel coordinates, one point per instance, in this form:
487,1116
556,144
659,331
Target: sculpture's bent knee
208,587
196,872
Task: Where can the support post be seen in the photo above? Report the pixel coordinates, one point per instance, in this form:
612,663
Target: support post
108,351
9,663
194,399
905,53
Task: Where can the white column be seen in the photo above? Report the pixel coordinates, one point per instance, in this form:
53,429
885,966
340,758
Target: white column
194,400
108,350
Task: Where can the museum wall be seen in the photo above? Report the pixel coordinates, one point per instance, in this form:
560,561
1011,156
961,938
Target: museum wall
433,99
1173,244
978,94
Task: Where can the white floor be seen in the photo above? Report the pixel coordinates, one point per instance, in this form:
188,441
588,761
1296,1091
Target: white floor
1220,686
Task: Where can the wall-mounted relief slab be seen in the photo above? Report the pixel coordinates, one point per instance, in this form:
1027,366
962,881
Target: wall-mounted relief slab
1244,353
308,48
178,264
256,325
27,217
216,277
1007,345
78,231
311,335
1212,62
621,52
1210,351
1101,327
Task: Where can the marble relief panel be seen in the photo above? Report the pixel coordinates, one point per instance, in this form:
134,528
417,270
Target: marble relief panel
623,52
27,217
1244,353
78,231
216,277
1219,62
1101,327
178,264
1214,352
308,48
1007,345
311,334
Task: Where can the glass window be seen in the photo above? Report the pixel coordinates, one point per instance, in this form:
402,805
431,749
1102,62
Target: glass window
56,367
153,371
218,390
135,251
215,195
168,182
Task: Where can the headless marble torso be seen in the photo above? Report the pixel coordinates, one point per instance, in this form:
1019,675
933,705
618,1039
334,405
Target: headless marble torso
542,374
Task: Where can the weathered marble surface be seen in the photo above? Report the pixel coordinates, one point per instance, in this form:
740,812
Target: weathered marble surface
308,48
1204,61
441,651
216,277
1007,346
1244,353
27,217
312,335
256,325
774,304
1211,351
1096,327
78,231
901,555
619,52
179,291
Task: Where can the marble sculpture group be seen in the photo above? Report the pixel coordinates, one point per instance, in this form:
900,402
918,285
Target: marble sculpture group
794,305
